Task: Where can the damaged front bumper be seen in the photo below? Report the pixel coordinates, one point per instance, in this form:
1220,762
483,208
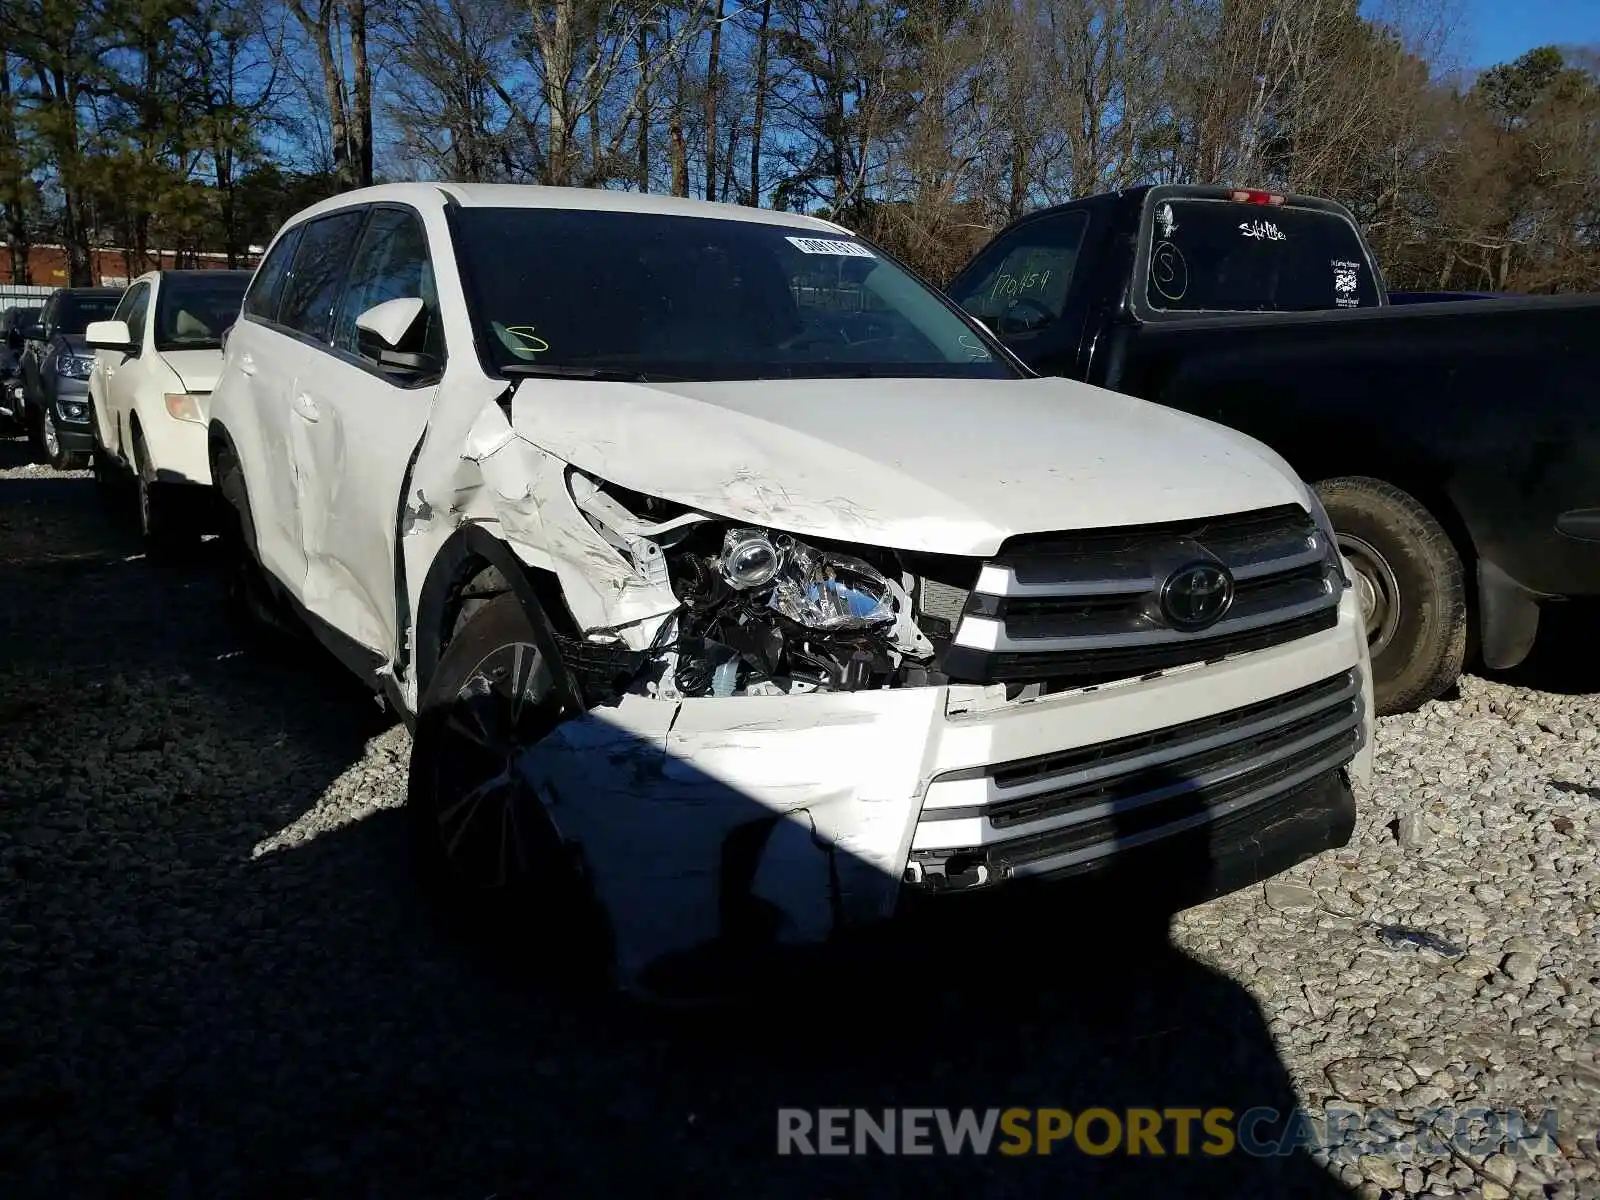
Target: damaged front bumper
748,822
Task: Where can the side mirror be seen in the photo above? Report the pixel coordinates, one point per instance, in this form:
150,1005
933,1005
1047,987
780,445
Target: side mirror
383,331
35,333
110,335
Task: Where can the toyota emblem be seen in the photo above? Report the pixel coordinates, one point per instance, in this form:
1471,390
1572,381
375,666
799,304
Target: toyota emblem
1196,596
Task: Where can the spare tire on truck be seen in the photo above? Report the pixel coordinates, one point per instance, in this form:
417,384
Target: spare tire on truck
1410,585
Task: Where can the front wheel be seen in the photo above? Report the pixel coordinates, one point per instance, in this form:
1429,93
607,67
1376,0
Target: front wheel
1410,585
50,439
487,845
169,531
111,478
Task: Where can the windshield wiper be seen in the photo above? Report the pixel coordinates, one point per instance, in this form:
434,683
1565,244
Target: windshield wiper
604,374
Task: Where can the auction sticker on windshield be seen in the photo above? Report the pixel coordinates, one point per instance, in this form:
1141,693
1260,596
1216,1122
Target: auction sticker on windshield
829,246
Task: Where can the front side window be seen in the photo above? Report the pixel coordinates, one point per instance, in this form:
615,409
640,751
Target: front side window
131,311
261,300
193,310
645,294
318,274
1228,256
392,264
1018,285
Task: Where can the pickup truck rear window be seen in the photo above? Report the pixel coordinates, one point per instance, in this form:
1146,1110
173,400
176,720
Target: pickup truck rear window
1225,256
680,297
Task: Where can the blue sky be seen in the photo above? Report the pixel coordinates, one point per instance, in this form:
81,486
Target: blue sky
1496,31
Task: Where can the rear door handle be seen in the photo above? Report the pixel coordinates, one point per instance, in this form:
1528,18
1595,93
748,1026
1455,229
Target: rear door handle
247,364
306,406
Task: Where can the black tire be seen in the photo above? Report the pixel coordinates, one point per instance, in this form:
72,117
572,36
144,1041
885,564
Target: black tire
258,619
112,479
1412,587
32,419
170,534
497,868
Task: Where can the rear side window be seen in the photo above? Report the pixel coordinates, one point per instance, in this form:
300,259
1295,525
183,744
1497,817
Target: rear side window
318,274
1018,285
1226,256
261,301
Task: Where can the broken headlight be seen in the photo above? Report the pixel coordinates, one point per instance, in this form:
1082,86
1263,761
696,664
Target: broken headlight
765,613
819,589
750,558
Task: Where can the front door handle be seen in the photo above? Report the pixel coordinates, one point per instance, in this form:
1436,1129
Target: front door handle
247,364
306,406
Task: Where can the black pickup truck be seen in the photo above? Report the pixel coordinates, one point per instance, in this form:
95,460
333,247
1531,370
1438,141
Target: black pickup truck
1455,446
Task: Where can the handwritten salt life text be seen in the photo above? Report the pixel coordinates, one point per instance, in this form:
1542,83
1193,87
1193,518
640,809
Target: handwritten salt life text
1262,230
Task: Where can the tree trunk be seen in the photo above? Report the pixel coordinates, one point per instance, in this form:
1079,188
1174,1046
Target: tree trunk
10,156
678,149
757,126
558,49
361,118
712,86
320,30
74,226
642,103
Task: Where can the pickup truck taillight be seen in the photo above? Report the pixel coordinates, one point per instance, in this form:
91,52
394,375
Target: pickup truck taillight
1251,196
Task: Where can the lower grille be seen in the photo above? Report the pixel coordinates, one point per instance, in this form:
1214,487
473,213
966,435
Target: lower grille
1292,726
1091,799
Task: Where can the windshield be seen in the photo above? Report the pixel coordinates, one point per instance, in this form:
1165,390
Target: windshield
76,313
692,298
193,310
1221,255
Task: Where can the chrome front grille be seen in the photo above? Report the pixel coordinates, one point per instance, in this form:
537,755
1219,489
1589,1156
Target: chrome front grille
1085,607
1042,813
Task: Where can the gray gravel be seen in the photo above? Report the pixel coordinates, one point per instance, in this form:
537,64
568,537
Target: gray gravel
215,979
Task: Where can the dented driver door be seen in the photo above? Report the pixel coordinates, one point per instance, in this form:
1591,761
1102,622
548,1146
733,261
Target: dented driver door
356,423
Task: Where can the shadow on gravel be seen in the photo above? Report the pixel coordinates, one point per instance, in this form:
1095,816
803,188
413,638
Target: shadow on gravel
183,1017
14,452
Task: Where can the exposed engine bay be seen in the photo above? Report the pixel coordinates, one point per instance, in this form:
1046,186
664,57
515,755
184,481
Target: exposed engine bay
764,613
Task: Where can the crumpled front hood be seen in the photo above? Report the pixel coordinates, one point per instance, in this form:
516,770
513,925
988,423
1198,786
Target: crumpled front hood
197,370
940,465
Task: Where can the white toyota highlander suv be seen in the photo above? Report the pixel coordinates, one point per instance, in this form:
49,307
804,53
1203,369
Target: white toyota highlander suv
739,589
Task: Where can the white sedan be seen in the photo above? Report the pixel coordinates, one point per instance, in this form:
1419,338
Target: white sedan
156,361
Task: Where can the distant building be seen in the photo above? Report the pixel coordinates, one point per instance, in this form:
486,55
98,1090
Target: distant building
114,266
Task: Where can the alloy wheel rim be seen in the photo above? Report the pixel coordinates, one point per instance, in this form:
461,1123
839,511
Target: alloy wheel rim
493,828
52,443
1377,591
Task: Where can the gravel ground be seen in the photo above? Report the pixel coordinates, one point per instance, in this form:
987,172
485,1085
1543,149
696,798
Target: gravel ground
215,980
